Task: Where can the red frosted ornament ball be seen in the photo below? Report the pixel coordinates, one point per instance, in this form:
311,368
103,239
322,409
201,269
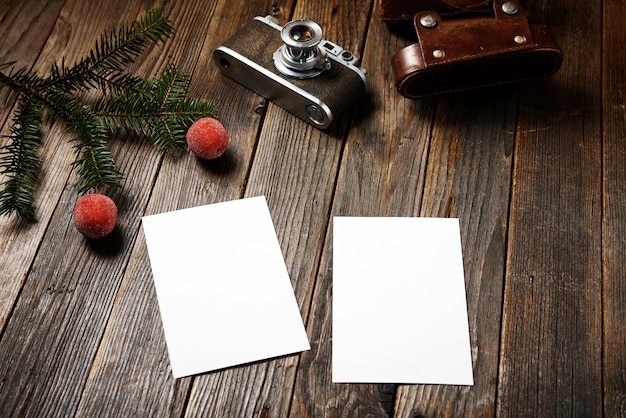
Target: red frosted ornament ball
95,215
207,138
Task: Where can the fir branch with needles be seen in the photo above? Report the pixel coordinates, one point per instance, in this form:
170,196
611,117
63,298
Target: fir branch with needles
156,108
20,160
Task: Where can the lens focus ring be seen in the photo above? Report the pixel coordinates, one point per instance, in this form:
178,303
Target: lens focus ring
301,55
301,34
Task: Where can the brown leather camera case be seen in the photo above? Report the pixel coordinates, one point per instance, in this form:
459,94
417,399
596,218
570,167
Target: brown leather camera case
469,48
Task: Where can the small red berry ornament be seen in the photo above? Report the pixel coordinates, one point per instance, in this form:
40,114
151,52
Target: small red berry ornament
95,215
207,138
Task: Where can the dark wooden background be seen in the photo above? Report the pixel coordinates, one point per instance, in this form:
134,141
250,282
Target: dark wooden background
536,173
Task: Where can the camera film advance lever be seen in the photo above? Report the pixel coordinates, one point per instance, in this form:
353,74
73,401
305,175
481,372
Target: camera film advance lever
294,67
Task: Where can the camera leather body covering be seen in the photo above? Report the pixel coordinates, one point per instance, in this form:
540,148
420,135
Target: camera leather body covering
468,44
248,58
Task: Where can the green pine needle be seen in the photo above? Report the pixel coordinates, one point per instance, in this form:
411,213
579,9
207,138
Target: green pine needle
20,162
95,164
113,53
157,108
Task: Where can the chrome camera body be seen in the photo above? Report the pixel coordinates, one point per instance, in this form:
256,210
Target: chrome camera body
294,67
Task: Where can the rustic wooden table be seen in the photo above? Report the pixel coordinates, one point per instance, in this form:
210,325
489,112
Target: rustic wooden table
536,173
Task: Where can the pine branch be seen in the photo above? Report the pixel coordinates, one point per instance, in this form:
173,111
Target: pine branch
160,109
157,108
20,161
94,164
3,86
22,82
104,66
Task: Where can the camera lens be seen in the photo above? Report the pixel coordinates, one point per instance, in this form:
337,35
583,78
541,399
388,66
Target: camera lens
300,55
301,33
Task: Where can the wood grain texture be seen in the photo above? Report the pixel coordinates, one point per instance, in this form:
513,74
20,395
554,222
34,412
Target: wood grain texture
375,179
184,181
536,174
24,34
468,177
552,321
72,282
614,208
132,354
20,240
295,167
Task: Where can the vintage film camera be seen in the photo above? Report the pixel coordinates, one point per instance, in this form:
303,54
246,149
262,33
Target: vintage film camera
294,67
468,44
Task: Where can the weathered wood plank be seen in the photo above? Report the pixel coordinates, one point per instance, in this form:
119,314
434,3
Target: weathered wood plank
468,177
67,296
552,319
614,189
381,174
133,352
85,337
23,36
295,166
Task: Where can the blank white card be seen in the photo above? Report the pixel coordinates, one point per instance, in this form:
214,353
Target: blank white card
399,304
224,292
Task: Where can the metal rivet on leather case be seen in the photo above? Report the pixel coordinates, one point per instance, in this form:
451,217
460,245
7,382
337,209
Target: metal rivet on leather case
510,7
428,21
